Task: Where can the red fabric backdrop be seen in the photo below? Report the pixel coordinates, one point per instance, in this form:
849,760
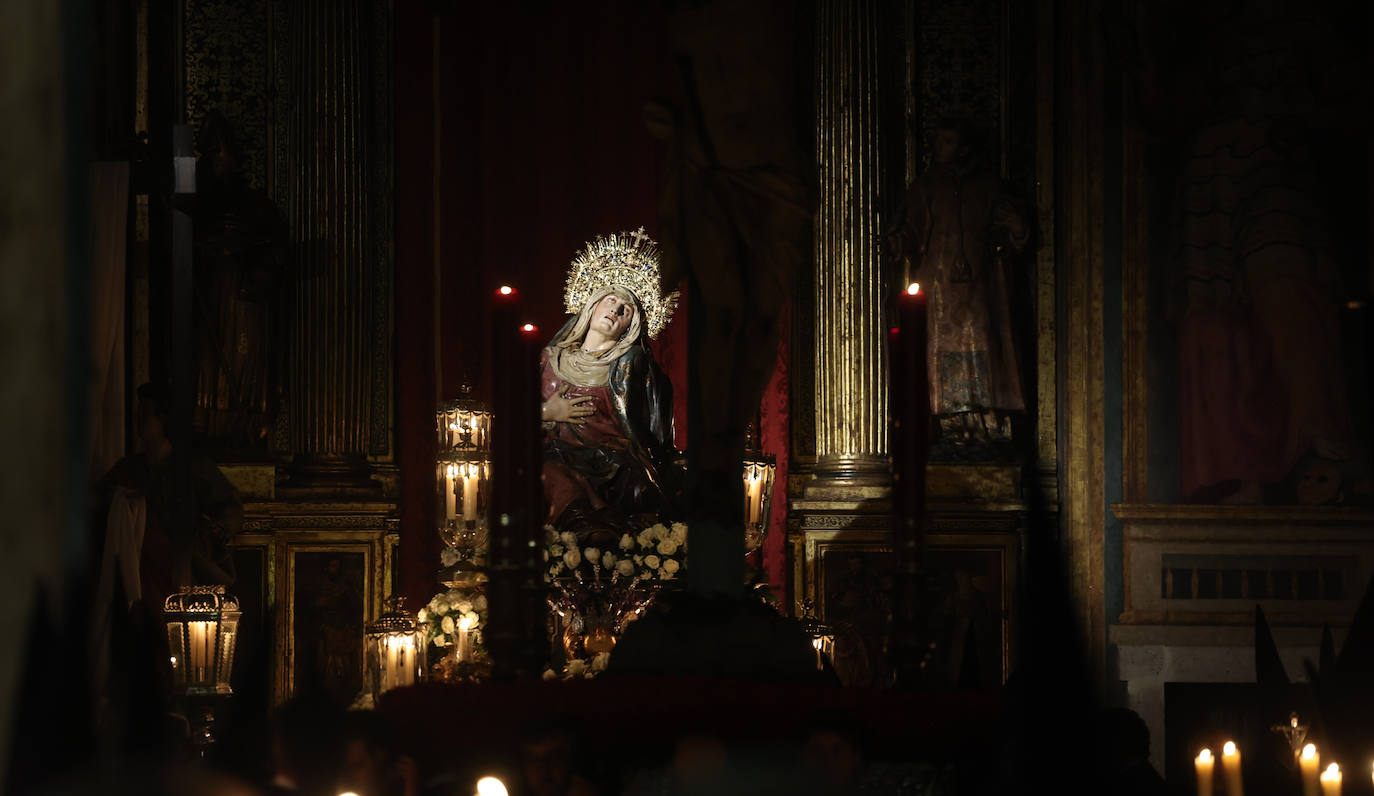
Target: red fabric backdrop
542,146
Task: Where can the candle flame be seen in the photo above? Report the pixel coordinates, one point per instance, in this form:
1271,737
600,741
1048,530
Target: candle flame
529,327
1309,752
465,624
506,290
913,288
1229,749
490,786
1332,773
1205,756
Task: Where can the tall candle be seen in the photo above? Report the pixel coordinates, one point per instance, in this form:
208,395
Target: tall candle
1204,764
908,435
465,639
1331,781
470,493
1230,769
1310,764
450,510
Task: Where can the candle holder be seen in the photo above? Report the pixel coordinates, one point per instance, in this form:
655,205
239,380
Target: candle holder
463,474
759,471
395,649
202,629
822,636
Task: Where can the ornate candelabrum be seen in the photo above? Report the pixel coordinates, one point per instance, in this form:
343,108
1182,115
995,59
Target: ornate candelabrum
202,628
759,471
395,649
463,474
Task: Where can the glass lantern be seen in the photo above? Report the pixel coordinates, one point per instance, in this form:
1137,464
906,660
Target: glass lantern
759,471
463,472
395,649
202,628
821,635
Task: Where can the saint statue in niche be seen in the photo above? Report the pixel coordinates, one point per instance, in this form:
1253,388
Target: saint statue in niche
609,460
959,229
241,261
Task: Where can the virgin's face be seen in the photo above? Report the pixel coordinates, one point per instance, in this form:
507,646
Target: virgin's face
612,316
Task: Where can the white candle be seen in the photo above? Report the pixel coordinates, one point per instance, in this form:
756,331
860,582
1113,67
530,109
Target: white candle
1331,781
450,493
470,494
1205,765
820,657
465,626
1310,764
1230,768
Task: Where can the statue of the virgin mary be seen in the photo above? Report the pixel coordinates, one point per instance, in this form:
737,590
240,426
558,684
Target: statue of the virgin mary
609,459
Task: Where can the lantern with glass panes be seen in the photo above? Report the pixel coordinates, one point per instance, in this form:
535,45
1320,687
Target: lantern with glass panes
463,472
395,649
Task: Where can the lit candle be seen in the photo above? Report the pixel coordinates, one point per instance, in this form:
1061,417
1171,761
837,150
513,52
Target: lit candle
465,638
1331,781
1310,764
470,493
1230,769
1205,764
450,492
820,657
754,506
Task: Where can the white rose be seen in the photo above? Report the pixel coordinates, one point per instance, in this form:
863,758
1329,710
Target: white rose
423,616
625,568
592,555
608,560
651,562
440,641
658,531
479,603
600,662
447,625
645,539
464,607
572,558
577,668
556,549
671,565
639,560
679,533
667,547
569,538
550,534
627,543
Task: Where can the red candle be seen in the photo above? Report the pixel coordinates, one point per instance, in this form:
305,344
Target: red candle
908,439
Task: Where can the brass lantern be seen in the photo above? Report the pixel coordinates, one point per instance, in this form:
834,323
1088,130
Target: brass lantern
759,471
463,472
202,628
395,649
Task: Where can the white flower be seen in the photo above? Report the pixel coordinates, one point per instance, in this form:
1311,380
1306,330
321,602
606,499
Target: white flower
679,533
600,662
556,549
652,562
464,607
627,543
667,547
639,560
592,555
448,557
447,625
658,531
423,616
550,674
469,621
550,534
671,565
441,640
569,538
645,539
576,668
572,558
608,560
479,603
665,575
625,568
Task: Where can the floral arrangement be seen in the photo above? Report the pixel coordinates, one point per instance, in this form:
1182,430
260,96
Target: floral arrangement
450,614
657,553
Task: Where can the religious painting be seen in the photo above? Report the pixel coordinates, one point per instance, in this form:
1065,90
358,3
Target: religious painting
854,592
1252,168
328,610
965,585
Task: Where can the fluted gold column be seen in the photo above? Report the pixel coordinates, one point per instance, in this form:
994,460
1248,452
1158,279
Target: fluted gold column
334,179
851,379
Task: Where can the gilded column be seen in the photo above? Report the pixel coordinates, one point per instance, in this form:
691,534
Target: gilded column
851,379
338,204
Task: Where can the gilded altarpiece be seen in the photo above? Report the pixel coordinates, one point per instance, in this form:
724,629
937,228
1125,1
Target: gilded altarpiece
982,61
317,555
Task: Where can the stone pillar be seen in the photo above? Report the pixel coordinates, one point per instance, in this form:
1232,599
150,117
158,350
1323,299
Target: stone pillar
851,379
339,174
